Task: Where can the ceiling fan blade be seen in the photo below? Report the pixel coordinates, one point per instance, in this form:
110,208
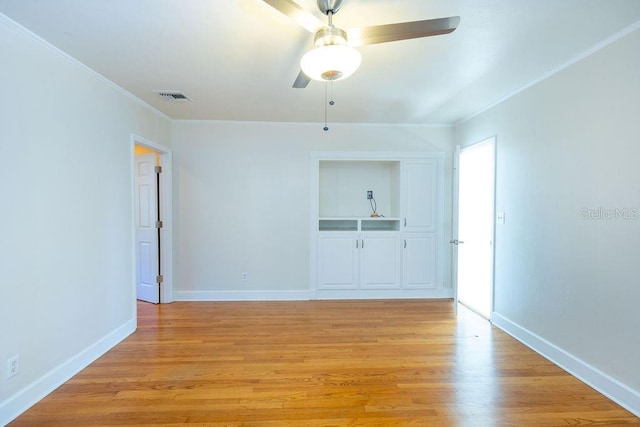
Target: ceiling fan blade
402,31
298,14
301,81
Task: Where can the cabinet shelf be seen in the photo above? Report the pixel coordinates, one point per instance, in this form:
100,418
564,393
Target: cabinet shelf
380,224
338,225
343,186
359,224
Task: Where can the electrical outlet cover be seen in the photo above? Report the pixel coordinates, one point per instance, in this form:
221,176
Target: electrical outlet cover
13,366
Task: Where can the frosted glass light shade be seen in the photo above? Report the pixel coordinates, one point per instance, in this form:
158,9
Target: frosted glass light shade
332,62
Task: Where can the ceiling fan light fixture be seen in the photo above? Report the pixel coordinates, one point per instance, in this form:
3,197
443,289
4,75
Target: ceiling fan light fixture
329,39
331,62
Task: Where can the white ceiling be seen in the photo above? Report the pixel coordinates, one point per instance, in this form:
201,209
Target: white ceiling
237,59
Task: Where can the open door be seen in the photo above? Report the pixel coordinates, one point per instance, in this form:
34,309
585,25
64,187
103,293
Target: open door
454,231
148,276
473,226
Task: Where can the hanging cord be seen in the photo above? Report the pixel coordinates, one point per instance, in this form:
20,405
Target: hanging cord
331,97
325,128
330,101
374,208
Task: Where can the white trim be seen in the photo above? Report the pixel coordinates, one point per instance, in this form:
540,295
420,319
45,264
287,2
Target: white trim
241,295
25,32
314,209
598,46
15,405
166,207
438,293
319,124
612,388
455,178
375,155
308,295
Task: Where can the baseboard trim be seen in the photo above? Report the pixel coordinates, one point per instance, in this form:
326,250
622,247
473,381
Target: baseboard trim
241,295
384,294
307,295
615,390
15,405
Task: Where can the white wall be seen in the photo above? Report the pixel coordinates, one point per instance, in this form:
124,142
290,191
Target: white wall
66,248
242,200
569,143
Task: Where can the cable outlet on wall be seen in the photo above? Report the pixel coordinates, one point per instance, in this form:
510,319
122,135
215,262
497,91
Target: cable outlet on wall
369,195
13,366
245,276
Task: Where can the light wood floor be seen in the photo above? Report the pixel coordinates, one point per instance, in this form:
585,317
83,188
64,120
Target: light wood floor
321,363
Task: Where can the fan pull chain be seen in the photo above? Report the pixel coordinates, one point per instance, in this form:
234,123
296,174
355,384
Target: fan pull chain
330,102
331,97
325,128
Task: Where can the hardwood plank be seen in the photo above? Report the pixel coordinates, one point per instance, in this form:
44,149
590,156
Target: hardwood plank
321,363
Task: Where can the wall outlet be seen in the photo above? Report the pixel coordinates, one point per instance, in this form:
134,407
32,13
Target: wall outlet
13,366
245,276
369,195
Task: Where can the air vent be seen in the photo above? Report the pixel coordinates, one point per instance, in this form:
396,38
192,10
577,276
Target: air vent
172,95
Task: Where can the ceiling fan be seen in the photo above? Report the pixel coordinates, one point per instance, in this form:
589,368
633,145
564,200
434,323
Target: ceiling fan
334,57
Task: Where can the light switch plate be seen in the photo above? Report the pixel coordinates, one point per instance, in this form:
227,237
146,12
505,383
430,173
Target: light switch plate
500,217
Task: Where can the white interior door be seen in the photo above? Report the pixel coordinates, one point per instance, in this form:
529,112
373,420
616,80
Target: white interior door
147,244
474,237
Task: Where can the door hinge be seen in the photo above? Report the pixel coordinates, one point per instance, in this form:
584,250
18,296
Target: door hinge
159,278
158,224
158,169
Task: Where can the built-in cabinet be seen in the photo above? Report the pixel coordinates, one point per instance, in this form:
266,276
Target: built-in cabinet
419,257
397,254
359,261
419,194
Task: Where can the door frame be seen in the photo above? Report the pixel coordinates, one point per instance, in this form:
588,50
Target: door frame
454,227
166,210
455,217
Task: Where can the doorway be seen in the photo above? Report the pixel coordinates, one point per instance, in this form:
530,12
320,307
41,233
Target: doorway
473,244
152,202
148,225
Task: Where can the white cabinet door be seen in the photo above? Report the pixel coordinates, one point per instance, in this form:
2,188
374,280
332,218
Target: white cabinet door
380,262
419,261
420,195
338,261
